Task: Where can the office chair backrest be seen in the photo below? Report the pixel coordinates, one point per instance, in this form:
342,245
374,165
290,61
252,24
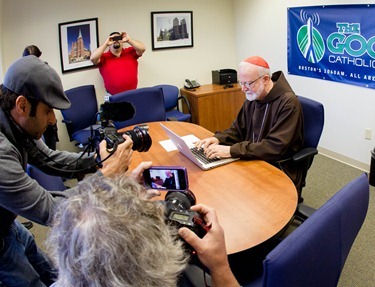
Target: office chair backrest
82,113
171,99
48,182
148,103
313,117
315,253
170,93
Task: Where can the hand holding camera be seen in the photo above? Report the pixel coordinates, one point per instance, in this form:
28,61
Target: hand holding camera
116,38
122,38
120,160
178,212
210,249
139,135
178,199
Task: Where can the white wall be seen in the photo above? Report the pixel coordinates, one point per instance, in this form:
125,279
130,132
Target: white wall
261,28
36,22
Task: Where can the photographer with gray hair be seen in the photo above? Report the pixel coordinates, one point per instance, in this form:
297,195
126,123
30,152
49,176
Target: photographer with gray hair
109,234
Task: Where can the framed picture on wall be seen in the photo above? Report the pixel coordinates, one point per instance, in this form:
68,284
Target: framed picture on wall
172,30
78,39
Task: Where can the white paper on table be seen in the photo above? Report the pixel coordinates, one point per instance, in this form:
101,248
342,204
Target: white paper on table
168,145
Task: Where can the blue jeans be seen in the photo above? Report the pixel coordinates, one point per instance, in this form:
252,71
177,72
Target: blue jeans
22,263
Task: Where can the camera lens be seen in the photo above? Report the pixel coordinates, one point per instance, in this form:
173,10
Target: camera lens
141,139
180,200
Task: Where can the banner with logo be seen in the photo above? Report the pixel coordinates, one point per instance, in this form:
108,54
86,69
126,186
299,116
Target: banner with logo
335,43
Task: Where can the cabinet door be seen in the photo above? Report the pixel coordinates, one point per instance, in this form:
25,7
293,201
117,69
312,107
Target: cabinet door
217,111
214,107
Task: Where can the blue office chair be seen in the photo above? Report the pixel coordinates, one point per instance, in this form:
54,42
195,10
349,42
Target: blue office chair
315,253
82,114
48,182
313,117
171,101
148,103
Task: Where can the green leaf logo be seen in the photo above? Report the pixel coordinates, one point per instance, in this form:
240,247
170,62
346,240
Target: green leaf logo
310,43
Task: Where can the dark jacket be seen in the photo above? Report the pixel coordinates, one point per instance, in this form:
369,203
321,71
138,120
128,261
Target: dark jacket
20,194
270,129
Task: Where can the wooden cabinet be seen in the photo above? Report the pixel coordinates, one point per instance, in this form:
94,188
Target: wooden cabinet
213,106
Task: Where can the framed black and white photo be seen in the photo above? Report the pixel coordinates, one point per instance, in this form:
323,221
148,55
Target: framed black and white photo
172,30
78,39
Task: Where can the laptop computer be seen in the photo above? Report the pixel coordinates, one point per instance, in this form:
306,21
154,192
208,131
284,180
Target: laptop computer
195,155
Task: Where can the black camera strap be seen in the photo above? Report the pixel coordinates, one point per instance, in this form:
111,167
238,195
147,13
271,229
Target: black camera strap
45,160
25,143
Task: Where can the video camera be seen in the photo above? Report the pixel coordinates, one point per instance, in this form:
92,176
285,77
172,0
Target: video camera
139,135
120,111
178,213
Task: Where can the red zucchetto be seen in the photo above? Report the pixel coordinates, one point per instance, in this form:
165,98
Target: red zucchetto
258,61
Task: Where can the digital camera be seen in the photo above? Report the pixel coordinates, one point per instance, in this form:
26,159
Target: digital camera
139,135
116,38
178,213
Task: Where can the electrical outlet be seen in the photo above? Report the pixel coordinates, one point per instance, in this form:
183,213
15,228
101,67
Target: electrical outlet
367,133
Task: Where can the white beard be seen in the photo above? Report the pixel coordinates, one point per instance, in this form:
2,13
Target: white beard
252,96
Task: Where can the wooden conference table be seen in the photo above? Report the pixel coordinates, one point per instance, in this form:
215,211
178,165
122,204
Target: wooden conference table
253,199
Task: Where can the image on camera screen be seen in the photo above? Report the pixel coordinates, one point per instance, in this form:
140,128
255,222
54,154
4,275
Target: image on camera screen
165,179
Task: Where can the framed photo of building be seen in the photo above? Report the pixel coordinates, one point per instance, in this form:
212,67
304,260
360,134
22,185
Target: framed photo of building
172,30
78,39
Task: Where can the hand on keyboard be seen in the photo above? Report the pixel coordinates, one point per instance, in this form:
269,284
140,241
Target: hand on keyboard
199,153
217,151
206,142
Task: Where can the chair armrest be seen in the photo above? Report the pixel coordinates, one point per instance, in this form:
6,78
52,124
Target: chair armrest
66,122
303,212
172,119
304,154
184,99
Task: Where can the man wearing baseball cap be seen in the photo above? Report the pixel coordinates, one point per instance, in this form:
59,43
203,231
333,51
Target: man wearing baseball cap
269,125
28,96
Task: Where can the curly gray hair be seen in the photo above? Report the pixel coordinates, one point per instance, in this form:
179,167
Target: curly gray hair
106,234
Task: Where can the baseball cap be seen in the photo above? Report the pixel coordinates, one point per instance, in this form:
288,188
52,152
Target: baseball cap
257,61
33,78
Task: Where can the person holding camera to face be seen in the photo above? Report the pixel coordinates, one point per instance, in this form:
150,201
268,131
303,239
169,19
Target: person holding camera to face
28,96
118,66
140,247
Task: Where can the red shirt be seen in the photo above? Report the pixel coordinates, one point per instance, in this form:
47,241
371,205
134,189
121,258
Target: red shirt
119,73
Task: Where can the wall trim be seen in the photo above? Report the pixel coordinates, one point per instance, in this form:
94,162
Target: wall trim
344,159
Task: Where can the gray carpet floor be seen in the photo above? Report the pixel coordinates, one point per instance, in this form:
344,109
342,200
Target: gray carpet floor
326,176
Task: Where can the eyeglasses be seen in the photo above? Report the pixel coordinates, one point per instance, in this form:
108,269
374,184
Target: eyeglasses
248,84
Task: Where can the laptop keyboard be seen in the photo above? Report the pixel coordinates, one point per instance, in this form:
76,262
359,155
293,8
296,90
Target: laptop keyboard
199,153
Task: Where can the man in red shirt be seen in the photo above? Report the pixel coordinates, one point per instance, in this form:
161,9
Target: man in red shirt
118,66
